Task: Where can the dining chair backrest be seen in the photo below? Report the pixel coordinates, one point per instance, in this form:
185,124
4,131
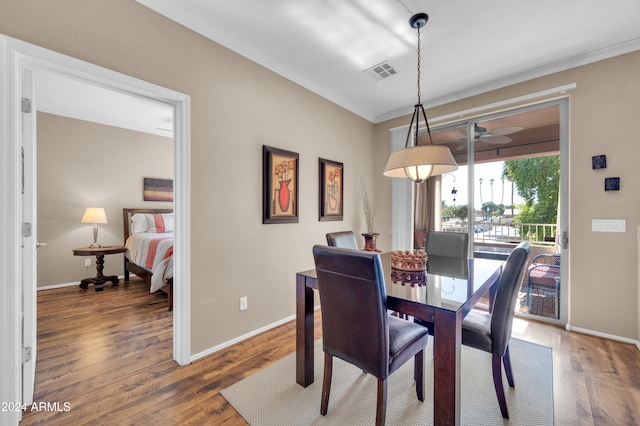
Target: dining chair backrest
504,304
344,239
452,244
354,315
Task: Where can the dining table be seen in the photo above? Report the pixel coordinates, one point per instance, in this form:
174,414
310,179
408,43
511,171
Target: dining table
451,288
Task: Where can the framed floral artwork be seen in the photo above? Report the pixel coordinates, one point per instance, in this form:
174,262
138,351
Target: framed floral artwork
279,185
331,190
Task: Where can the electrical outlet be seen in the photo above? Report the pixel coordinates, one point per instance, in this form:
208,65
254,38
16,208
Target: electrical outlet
243,303
87,262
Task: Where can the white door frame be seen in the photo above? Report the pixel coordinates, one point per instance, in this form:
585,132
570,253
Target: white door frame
29,239
15,56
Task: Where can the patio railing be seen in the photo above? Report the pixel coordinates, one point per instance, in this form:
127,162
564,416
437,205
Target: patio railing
543,234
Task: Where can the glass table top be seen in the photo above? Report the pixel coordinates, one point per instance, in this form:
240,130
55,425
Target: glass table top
449,283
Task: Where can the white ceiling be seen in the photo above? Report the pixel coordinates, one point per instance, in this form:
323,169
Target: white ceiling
468,47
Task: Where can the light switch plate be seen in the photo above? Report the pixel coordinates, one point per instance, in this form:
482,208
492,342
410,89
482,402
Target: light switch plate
609,225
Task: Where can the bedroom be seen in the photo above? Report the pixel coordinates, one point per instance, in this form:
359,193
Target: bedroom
80,165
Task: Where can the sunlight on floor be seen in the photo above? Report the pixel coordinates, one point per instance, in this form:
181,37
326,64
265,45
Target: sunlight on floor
520,325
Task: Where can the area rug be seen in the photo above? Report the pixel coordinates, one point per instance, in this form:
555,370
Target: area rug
271,397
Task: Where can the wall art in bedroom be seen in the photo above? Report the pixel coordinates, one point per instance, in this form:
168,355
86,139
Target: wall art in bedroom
331,188
155,189
279,185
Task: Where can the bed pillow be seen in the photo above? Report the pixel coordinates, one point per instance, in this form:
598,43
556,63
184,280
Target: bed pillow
159,223
139,223
152,223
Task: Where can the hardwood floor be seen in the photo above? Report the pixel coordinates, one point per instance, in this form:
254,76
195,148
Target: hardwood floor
109,356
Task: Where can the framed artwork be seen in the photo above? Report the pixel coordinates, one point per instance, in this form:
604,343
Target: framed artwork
279,185
331,190
157,189
612,184
599,162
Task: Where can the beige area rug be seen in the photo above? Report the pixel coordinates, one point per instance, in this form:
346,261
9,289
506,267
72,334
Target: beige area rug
271,397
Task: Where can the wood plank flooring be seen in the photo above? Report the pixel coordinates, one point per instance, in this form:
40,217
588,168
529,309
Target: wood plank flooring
109,355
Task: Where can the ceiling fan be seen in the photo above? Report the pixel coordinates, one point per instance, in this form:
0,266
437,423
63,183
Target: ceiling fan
495,136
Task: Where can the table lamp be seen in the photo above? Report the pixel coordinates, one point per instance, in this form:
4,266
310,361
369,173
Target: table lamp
94,215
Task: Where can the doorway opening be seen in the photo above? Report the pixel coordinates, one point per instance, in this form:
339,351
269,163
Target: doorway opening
21,59
97,144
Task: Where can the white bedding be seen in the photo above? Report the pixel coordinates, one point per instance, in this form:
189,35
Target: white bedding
153,251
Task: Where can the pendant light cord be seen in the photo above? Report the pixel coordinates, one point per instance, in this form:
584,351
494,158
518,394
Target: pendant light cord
419,104
419,66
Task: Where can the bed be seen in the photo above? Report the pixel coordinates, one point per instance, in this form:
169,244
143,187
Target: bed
148,236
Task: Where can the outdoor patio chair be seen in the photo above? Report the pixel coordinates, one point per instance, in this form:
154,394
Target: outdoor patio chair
544,274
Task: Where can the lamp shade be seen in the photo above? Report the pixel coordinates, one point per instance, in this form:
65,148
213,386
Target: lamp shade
418,163
94,215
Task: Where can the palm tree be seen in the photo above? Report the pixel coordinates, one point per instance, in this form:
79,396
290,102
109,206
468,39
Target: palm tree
481,191
502,199
512,199
491,182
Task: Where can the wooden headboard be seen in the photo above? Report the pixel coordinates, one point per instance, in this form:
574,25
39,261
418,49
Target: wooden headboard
127,213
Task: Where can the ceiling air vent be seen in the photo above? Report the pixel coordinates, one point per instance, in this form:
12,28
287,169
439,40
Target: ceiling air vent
381,71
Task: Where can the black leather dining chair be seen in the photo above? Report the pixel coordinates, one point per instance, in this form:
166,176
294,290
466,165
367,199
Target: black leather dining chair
356,326
345,239
451,251
491,332
450,244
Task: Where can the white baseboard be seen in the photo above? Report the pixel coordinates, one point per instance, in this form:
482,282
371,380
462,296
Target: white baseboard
50,287
603,335
76,283
224,345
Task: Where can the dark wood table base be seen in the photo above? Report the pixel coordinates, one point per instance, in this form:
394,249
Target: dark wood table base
99,280
99,252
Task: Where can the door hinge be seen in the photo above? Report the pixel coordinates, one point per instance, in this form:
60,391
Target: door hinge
564,241
26,105
26,229
26,354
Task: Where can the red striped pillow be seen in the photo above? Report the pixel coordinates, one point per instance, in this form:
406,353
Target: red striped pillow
160,223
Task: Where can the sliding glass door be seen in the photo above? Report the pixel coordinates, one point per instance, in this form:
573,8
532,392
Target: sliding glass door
507,189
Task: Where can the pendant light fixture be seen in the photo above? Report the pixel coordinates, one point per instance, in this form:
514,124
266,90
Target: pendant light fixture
416,162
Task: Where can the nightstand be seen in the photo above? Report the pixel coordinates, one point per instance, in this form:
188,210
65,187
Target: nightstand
99,252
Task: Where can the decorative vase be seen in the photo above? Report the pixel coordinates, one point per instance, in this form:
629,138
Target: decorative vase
370,242
283,195
332,196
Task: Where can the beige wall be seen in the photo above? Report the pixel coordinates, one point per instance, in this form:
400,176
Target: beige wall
236,107
603,110
83,164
